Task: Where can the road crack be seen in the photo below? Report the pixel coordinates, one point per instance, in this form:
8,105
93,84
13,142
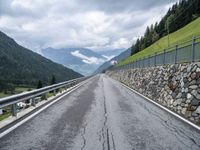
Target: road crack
83,137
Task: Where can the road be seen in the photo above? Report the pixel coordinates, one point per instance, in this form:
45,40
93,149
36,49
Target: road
102,115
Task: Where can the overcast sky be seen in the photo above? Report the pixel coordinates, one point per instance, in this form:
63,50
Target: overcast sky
95,24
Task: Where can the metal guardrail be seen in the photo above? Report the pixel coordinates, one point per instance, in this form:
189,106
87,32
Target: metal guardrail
14,99
185,52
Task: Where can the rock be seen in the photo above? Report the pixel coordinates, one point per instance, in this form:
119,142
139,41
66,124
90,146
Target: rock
194,114
189,68
179,77
198,90
184,95
198,70
194,68
198,110
182,84
193,82
193,75
198,96
193,87
191,108
184,111
186,90
195,102
198,81
185,80
179,95
179,107
179,101
175,103
188,114
194,92
189,96
188,101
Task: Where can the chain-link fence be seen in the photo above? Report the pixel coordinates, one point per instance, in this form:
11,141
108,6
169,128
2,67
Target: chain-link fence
186,52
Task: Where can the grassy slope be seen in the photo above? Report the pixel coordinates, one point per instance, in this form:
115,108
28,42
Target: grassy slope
179,36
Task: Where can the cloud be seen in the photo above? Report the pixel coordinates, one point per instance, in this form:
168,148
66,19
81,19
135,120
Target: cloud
88,60
95,24
108,57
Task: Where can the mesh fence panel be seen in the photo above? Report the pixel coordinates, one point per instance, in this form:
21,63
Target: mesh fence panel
146,64
197,52
152,61
184,54
170,57
159,59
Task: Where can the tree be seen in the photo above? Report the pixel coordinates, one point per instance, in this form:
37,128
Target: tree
132,49
39,85
53,80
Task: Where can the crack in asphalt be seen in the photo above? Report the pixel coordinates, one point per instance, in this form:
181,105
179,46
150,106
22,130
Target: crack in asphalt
113,141
167,123
105,129
83,137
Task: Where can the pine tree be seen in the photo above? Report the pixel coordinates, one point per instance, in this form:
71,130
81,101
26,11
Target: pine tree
39,85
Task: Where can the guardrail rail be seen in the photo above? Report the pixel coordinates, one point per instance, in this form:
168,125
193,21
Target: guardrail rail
32,95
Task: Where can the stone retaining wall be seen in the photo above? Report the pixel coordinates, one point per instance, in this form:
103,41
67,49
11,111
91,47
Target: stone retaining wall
174,86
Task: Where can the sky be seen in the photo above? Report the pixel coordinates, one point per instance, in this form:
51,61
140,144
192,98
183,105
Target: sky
94,24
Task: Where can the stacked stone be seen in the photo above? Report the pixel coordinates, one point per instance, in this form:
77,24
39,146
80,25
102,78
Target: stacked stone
174,86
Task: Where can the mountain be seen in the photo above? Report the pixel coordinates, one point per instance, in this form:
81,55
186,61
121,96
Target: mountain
118,58
21,66
81,60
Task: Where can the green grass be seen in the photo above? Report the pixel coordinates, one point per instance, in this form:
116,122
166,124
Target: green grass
182,35
4,116
2,94
17,91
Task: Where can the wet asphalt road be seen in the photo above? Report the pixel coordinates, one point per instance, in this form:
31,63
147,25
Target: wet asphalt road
102,115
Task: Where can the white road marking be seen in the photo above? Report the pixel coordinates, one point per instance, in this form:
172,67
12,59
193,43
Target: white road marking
40,110
162,107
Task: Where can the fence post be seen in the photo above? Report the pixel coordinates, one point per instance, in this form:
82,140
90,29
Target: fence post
193,48
136,63
155,59
176,49
144,62
149,60
164,52
14,110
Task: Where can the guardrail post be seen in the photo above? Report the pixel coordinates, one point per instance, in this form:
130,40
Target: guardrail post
54,92
164,52
193,48
14,110
155,59
45,96
176,49
33,101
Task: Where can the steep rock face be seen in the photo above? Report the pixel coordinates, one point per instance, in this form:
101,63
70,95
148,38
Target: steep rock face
174,86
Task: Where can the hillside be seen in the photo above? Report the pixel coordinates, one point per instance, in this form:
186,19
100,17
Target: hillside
181,35
118,58
21,66
81,60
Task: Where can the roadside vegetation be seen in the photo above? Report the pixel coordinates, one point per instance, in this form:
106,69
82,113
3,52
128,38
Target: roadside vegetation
179,24
184,34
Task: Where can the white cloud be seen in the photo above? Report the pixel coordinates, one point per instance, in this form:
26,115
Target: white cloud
94,24
108,57
86,59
